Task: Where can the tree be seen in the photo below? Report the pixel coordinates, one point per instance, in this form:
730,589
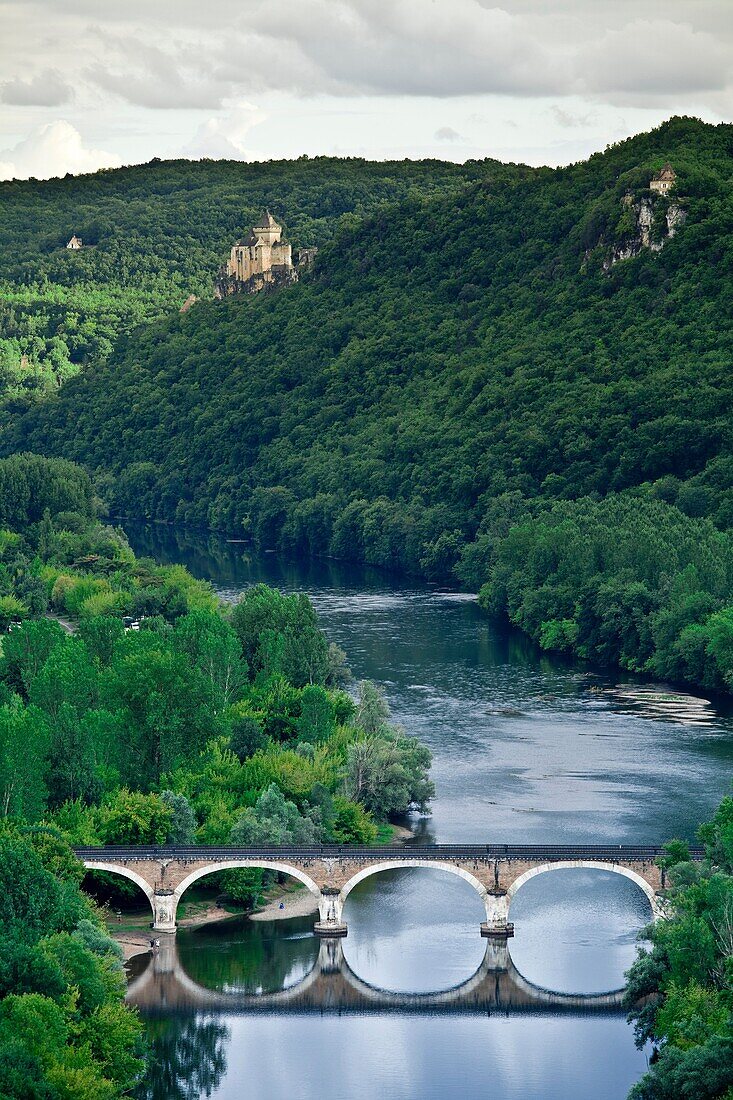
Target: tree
182,826
280,635
247,734
317,714
166,705
387,773
130,817
72,759
24,745
212,646
26,650
67,679
372,712
352,824
100,635
11,609
31,901
717,836
274,820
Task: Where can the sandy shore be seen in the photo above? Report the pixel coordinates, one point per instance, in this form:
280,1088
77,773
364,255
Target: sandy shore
211,912
299,903
131,943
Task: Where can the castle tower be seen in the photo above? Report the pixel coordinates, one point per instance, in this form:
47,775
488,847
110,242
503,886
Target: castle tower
267,229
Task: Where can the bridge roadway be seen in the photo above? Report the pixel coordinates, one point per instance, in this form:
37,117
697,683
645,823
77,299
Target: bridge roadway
330,872
332,988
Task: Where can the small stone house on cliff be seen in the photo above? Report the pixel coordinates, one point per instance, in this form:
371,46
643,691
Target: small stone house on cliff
664,180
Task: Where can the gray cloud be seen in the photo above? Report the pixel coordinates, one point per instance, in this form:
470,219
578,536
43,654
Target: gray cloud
658,57
47,89
150,76
181,53
447,133
568,119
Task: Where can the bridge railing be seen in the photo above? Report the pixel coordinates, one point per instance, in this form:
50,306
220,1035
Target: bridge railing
550,853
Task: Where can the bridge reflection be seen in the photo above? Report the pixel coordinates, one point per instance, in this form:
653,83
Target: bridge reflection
332,988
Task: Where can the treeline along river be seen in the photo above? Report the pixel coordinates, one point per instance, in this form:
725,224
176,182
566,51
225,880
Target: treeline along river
526,749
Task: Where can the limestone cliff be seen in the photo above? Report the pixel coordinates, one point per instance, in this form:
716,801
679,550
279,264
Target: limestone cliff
647,222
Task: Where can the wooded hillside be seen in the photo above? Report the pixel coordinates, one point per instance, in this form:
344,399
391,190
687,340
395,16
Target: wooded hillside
454,366
155,233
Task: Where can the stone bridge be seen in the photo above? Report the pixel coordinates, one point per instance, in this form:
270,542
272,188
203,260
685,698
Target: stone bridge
332,987
496,872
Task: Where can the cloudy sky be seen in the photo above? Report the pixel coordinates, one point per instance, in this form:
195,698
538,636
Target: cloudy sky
92,83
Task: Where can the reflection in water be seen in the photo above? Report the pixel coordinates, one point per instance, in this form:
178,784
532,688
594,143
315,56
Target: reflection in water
161,983
250,957
590,918
527,748
187,1060
333,1032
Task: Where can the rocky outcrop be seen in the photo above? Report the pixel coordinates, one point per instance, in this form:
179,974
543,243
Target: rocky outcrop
272,279
648,222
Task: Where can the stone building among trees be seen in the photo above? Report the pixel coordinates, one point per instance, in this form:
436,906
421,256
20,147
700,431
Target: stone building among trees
664,180
259,259
262,260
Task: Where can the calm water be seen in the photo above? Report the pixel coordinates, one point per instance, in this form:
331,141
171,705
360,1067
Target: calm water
526,748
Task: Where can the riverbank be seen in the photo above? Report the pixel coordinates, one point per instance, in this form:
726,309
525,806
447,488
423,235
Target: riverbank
295,902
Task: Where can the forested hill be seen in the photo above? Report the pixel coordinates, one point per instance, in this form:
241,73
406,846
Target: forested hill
454,366
155,233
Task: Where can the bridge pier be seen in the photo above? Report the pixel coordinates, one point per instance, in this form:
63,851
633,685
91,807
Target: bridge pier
330,910
497,924
165,904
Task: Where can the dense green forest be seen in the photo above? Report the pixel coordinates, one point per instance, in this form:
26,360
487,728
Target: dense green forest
458,366
680,992
154,234
197,724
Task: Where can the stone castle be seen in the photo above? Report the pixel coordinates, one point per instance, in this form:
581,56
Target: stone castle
262,260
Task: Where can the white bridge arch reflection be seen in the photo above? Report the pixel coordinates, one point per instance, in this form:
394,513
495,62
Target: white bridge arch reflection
332,987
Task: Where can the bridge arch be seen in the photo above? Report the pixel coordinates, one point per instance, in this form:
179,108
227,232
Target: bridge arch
451,868
232,864
124,872
583,864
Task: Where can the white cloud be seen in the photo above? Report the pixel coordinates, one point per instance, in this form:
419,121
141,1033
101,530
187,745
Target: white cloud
568,120
226,137
53,150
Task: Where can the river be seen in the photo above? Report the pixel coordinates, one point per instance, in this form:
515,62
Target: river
526,748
